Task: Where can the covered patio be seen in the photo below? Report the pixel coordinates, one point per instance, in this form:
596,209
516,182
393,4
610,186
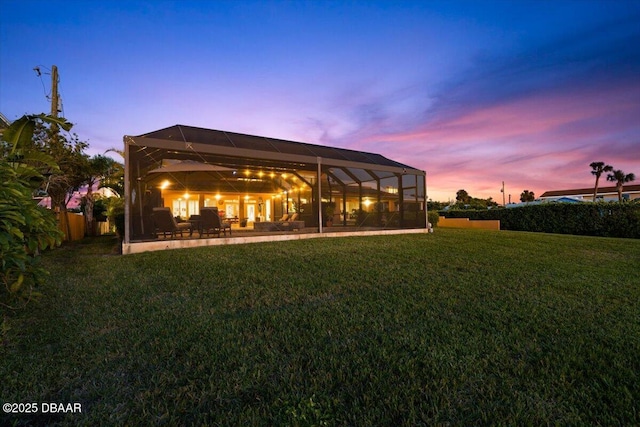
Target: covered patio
260,184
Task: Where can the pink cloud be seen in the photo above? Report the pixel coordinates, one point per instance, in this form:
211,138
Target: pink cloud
540,142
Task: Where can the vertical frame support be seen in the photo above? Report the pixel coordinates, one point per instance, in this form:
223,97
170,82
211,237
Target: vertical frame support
426,203
319,194
127,191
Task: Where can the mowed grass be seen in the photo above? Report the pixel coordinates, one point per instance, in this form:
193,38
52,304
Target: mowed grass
460,327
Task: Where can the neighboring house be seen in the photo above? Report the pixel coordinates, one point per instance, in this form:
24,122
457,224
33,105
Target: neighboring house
76,199
561,199
607,194
4,123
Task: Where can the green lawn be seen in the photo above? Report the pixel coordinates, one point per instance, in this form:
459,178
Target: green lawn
461,327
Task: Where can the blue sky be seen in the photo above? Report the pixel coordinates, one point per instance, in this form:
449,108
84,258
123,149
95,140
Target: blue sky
474,92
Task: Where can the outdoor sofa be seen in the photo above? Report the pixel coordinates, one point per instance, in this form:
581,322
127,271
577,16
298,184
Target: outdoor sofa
284,224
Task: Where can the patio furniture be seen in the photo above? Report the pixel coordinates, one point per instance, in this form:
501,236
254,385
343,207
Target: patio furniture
210,222
286,224
196,223
165,223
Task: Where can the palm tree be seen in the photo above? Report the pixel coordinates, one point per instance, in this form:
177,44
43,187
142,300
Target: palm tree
96,169
527,196
114,177
598,169
620,178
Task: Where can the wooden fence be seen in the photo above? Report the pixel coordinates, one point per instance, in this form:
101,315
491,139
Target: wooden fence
76,225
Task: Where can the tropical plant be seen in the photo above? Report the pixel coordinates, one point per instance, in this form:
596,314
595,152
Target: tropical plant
114,178
72,164
25,228
527,196
620,178
20,151
598,168
97,168
68,152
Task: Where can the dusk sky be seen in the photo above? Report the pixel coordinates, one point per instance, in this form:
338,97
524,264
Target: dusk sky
473,92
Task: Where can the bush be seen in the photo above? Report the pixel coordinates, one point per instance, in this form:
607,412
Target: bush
115,213
434,217
590,219
25,230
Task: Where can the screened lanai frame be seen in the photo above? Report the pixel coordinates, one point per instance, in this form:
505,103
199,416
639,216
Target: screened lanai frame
386,194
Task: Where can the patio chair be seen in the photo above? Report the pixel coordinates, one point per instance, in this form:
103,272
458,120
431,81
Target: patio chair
211,222
165,223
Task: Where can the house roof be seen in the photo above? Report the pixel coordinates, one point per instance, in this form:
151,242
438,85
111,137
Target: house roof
542,201
589,191
271,146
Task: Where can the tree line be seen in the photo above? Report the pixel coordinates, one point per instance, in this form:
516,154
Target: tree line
466,201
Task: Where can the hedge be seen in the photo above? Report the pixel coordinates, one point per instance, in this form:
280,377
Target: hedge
589,219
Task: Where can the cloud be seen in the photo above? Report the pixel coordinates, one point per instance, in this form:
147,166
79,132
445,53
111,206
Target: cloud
593,56
545,111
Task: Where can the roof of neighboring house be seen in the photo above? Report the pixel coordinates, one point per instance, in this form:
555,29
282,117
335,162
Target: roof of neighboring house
4,122
589,191
542,201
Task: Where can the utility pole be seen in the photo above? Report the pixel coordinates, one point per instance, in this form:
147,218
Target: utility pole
55,130
54,91
502,191
55,100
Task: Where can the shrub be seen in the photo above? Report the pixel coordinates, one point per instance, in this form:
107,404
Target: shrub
115,213
25,230
434,217
591,219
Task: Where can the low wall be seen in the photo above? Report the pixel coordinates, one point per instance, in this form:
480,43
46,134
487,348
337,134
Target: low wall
468,223
162,244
